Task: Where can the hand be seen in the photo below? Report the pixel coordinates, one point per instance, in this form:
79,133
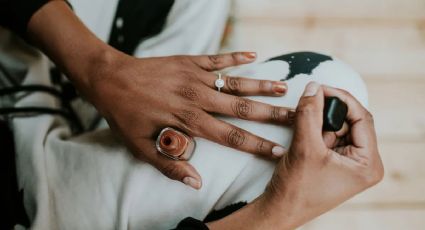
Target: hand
139,97
320,171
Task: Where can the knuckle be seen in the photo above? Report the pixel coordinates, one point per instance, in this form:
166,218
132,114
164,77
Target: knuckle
171,170
380,172
264,85
234,84
378,176
178,61
345,93
377,173
262,147
235,137
235,56
326,159
371,172
189,92
241,107
278,114
209,101
188,75
369,117
307,108
214,61
188,118
373,177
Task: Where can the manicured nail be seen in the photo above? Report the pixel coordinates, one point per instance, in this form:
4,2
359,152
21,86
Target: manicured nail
278,151
192,182
249,56
279,88
311,89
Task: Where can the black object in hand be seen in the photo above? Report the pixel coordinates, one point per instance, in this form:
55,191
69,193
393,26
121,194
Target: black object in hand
334,114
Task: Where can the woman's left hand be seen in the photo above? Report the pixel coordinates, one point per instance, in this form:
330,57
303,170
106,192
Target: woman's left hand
141,96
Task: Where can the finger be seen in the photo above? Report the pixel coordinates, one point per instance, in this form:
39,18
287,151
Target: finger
248,109
332,139
360,119
309,115
221,61
229,135
247,87
176,170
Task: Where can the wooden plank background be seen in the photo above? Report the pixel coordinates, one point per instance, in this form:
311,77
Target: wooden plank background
385,41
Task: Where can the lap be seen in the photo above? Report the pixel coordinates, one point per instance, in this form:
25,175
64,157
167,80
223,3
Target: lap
91,181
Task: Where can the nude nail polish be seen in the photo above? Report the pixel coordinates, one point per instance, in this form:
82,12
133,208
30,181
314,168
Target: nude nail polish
249,56
311,89
279,88
278,151
192,182
175,144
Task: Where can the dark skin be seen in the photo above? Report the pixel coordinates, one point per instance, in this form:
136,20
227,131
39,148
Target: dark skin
139,97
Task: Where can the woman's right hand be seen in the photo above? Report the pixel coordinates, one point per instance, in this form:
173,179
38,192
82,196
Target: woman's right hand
320,171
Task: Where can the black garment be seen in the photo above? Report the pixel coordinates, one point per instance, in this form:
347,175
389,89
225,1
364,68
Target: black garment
10,197
190,223
15,14
137,20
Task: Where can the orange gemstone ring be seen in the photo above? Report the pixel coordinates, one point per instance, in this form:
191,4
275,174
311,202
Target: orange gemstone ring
175,144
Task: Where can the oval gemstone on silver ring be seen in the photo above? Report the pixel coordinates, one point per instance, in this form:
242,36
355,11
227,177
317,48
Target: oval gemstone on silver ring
175,144
219,83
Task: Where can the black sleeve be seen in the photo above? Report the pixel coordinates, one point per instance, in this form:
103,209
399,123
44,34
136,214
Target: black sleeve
15,14
190,223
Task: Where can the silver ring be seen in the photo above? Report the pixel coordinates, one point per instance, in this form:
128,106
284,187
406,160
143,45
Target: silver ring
219,83
175,144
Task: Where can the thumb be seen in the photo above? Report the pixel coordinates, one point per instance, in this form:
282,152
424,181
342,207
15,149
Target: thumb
309,113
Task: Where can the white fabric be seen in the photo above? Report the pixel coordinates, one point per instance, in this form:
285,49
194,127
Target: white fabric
192,27
92,182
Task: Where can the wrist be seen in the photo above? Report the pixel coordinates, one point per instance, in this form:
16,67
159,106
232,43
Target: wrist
91,67
262,213
58,32
279,212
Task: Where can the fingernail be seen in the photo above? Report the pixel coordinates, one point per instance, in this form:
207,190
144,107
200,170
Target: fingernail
192,182
278,151
311,89
279,87
249,56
